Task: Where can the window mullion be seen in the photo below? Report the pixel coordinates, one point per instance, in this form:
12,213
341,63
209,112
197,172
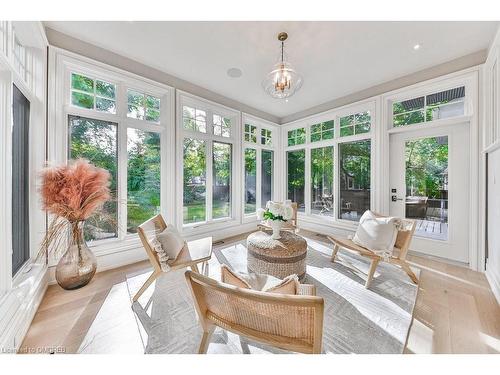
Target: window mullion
307,181
258,180
122,180
209,178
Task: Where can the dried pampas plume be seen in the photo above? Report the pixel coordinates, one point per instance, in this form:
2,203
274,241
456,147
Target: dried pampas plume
72,193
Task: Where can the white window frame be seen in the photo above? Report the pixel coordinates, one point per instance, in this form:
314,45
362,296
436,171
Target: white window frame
334,114
210,108
274,146
65,63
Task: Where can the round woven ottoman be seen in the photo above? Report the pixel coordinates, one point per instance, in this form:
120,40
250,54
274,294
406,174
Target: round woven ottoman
278,258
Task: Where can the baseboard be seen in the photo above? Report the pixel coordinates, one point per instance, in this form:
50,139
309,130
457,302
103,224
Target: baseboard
19,307
494,281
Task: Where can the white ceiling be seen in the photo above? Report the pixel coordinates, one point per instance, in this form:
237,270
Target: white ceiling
335,58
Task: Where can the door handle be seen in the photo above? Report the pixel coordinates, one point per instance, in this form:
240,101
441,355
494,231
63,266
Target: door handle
394,198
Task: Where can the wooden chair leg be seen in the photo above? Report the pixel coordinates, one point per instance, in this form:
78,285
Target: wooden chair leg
409,272
148,282
335,251
371,272
205,341
194,267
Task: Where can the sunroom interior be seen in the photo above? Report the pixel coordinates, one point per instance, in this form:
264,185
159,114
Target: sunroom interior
404,125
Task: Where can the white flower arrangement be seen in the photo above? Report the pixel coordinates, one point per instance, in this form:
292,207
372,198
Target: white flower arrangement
276,211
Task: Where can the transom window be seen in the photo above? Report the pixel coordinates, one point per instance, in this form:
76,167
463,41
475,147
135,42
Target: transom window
194,119
222,126
358,123
92,93
440,105
250,133
143,106
296,136
266,137
322,131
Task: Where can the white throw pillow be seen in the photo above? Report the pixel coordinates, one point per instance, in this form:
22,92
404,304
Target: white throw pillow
171,242
377,233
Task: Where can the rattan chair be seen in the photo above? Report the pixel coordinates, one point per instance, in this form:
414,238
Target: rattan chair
401,247
290,322
290,225
193,253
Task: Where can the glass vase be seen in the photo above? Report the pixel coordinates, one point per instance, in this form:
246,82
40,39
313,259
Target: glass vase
78,264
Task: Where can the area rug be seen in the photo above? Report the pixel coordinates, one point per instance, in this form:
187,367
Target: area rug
356,320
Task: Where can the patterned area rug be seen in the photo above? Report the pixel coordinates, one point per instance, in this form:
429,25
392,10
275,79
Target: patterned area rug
356,320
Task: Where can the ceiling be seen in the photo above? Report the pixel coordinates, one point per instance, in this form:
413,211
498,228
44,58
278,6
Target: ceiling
335,58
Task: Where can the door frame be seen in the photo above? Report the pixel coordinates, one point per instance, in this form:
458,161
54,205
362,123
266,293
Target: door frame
468,78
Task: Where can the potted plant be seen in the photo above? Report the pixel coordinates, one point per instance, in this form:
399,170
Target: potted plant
276,214
72,194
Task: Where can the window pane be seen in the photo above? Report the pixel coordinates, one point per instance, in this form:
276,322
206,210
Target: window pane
296,162
82,83
250,180
152,115
143,177
322,181
354,167
408,105
409,118
266,188
346,121
82,100
427,186
105,89
152,102
194,181
95,141
135,112
445,104
221,187
346,131
105,105
135,104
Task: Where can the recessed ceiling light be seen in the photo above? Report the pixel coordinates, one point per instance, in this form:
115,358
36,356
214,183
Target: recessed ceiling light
286,100
234,73
416,47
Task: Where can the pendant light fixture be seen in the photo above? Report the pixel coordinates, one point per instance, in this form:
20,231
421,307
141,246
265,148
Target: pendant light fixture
283,81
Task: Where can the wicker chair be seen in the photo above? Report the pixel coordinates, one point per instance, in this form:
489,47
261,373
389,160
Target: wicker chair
290,225
401,246
193,253
290,322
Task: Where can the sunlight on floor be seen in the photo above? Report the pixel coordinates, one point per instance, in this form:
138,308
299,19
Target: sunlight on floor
421,339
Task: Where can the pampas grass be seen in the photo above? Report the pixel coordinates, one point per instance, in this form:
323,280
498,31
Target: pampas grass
72,194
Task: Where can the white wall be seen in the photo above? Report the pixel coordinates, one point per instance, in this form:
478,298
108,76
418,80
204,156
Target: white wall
493,262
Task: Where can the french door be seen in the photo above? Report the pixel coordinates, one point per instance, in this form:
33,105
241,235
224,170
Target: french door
429,182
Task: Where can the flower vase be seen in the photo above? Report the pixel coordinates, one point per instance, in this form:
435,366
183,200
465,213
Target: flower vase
78,264
276,225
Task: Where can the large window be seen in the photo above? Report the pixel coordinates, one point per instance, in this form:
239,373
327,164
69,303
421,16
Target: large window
194,181
354,169
250,180
143,177
296,161
440,105
322,181
221,189
96,141
266,180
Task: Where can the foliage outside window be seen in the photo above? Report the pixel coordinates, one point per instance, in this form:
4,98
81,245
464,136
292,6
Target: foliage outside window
96,141
194,119
322,131
296,136
93,94
222,126
265,137
358,123
143,106
266,179
194,184
221,187
354,179
143,177
296,161
440,105
250,180
250,134
322,181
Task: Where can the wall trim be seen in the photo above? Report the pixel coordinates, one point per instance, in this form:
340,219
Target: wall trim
494,281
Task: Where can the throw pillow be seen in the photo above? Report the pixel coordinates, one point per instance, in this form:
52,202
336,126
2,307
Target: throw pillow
377,233
171,242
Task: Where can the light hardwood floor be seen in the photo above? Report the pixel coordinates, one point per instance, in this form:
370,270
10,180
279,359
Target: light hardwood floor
455,312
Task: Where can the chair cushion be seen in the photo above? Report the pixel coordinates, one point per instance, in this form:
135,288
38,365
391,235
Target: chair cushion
171,242
260,282
377,234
